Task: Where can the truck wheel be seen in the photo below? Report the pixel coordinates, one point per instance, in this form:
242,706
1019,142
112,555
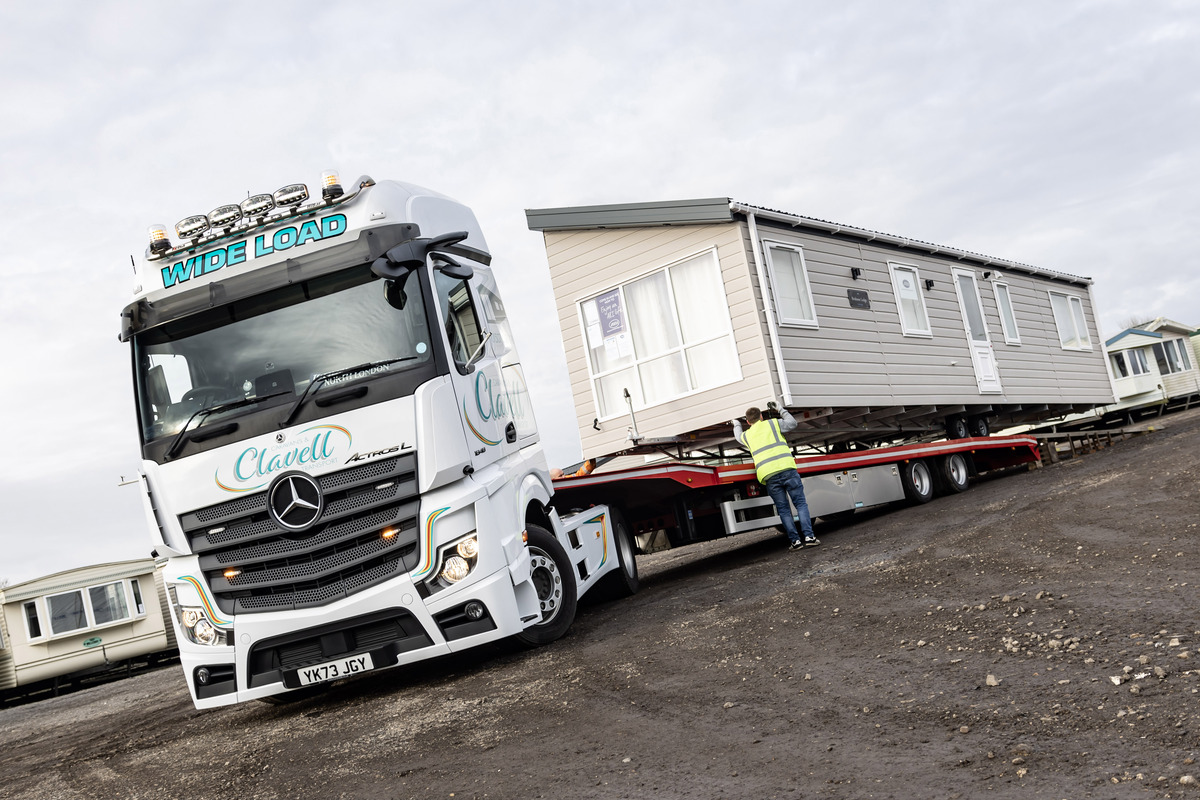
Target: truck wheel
622,581
956,428
978,426
554,579
917,480
953,473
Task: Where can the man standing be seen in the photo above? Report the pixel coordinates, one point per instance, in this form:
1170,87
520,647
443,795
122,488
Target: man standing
776,468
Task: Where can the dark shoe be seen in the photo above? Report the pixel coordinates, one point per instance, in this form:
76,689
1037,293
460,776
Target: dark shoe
812,541
796,545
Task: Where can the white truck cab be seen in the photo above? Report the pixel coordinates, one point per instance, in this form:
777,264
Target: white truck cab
340,459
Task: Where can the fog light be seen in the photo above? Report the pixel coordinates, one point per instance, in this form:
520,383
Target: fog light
225,216
191,227
258,205
456,569
474,609
203,676
468,548
291,195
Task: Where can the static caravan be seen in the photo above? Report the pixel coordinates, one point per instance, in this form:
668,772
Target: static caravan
1135,374
1175,357
80,621
677,316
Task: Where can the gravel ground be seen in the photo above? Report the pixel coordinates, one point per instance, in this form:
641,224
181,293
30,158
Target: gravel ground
1034,637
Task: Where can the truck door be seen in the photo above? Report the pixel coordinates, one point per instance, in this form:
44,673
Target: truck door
475,371
516,403
983,357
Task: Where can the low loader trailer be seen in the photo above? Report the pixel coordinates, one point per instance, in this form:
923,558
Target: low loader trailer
676,502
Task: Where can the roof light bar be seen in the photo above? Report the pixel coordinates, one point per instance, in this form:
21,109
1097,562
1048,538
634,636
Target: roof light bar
192,227
225,216
291,195
258,205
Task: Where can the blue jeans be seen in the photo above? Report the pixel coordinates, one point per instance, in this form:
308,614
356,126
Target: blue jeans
786,484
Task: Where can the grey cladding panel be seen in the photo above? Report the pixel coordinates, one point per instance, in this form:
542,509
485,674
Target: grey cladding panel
679,212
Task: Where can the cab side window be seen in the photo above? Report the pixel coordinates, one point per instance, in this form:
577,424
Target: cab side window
463,329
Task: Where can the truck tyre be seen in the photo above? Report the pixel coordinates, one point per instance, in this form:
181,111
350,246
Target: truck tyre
554,579
978,426
622,581
956,428
953,472
917,479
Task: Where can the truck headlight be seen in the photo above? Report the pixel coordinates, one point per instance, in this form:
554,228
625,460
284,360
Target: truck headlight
197,627
455,569
458,559
199,630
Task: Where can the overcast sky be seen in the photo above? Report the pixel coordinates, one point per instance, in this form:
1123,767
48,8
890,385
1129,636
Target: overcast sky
1058,134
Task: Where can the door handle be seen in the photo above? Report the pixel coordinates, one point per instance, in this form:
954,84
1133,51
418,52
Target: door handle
510,433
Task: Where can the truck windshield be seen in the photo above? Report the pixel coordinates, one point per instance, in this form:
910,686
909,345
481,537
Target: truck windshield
271,346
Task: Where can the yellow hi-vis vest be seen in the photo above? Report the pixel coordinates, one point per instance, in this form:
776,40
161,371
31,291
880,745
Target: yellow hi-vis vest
767,446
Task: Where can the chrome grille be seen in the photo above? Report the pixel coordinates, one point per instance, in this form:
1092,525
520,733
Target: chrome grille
253,565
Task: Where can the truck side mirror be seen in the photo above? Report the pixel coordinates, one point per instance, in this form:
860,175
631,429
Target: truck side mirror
452,267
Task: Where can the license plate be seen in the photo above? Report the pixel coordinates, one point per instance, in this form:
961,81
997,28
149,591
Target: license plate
330,670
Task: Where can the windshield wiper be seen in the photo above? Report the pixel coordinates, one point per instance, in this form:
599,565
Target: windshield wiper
205,412
319,380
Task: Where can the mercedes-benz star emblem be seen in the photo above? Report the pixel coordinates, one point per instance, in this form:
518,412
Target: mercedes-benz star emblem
295,501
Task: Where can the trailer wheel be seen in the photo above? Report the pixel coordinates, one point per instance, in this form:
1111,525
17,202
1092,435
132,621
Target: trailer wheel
917,480
978,426
622,581
554,579
956,428
953,473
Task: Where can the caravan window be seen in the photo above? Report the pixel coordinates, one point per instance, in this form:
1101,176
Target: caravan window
660,337
906,282
33,623
67,612
789,284
1008,320
1119,370
1171,356
1069,319
108,603
1137,362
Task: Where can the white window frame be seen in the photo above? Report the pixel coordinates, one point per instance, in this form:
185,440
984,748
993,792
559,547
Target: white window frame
1074,302
638,361
87,618
893,268
1010,336
37,612
802,278
1119,364
1185,360
42,604
1175,357
1138,364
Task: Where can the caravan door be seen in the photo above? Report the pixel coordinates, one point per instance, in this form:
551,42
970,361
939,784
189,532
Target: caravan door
983,357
